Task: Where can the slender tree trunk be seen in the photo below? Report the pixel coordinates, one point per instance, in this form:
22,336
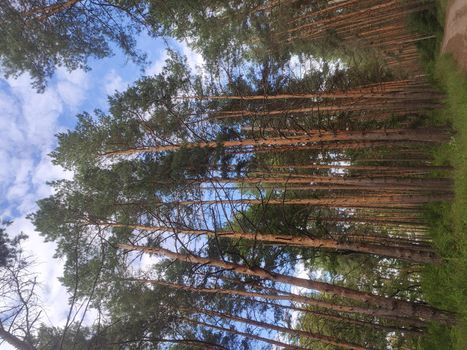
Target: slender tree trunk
413,255
293,298
369,182
393,306
383,91
392,201
323,304
247,335
50,10
352,167
340,319
396,107
294,332
418,135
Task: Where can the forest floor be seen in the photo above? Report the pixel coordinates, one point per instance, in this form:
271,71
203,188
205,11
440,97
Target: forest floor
445,285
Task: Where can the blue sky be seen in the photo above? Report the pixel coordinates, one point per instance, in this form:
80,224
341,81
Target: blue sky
28,124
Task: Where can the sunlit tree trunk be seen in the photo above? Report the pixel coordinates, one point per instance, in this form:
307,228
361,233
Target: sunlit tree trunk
403,253
422,135
291,298
393,306
50,10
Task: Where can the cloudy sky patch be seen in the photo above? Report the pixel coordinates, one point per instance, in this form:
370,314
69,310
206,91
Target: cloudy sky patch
28,124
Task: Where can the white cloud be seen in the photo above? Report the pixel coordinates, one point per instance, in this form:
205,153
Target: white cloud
300,272
71,87
53,296
157,66
28,123
148,262
195,59
113,82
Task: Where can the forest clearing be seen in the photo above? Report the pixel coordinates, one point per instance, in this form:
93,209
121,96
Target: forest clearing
303,187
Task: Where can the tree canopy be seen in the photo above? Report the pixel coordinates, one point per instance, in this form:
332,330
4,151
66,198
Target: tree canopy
40,35
248,205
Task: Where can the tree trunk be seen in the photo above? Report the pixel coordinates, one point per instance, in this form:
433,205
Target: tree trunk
410,201
293,298
294,332
393,306
369,182
420,135
385,91
248,335
50,10
14,340
413,255
353,321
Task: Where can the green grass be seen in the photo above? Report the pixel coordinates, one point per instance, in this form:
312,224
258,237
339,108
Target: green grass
445,285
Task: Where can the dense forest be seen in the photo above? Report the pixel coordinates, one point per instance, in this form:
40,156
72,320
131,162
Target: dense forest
251,204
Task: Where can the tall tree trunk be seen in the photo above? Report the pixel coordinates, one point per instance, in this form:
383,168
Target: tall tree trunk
323,108
410,201
393,306
248,335
348,309
353,321
368,182
294,332
397,90
295,298
413,255
50,10
418,135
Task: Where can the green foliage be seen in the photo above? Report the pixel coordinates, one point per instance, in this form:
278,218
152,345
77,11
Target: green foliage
5,248
36,39
9,247
342,330
437,338
430,22
141,116
444,284
216,28
145,186
75,337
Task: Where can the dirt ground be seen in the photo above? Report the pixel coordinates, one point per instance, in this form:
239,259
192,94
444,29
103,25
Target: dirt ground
455,32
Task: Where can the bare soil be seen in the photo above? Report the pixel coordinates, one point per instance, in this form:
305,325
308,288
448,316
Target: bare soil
455,32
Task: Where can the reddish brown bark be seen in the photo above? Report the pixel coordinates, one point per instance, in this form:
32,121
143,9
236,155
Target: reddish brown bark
50,10
404,253
418,135
389,201
290,298
393,307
